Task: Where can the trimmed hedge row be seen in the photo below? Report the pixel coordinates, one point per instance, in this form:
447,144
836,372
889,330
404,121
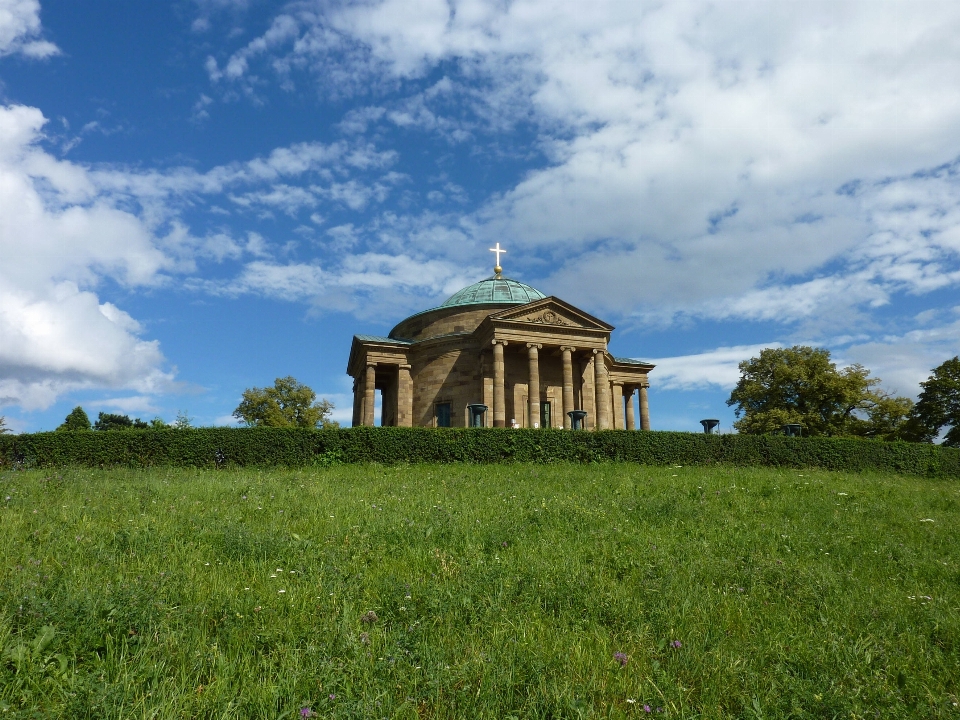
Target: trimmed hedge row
214,447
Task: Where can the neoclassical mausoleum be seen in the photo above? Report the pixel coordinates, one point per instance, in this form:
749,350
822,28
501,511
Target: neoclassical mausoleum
517,357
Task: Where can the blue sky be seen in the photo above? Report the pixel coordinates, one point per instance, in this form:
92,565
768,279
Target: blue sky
200,196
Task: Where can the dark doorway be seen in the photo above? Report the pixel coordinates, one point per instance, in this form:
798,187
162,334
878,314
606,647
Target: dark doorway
545,415
443,414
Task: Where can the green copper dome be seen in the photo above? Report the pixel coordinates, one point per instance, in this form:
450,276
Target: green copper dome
494,290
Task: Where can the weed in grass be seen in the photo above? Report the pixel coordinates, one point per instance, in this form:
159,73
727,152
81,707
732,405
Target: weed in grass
478,591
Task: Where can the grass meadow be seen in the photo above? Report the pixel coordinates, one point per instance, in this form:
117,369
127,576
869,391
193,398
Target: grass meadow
524,591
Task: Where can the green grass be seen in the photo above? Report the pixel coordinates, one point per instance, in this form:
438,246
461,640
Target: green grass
499,591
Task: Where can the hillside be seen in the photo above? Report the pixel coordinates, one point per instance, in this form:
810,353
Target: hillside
478,591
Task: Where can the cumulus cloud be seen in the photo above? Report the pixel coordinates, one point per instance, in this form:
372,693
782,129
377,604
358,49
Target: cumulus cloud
368,285
905,360
65,228
289,179
20,30
717,368
131,404
58,239
745,160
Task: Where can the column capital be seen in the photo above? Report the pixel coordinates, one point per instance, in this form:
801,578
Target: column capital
370,364
599,352
534,345
495,341
404,366
616,383
568,347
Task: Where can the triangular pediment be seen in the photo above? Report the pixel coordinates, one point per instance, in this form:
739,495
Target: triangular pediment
552,311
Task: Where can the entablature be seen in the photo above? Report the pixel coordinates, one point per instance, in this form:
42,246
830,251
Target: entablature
550,322
369,349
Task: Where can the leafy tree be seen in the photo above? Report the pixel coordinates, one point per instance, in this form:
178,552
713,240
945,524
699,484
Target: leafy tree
939,405
3,425
76,420
113,421
801,385
289,403
158,424
183,421
887,418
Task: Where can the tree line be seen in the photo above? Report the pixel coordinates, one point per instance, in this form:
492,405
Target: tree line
801,385
289,403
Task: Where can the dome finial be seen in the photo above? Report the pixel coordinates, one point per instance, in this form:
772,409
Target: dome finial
496,268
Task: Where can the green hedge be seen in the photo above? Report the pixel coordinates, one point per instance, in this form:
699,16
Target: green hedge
210,447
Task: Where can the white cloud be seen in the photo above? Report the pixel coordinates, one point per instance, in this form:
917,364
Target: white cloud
357,120
370,286
200,111
142,404
695,152
160,193
20,30
66,227
902,362
294,281
717,368
58,239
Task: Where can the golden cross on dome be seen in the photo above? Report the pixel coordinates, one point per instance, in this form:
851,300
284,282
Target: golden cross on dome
498,250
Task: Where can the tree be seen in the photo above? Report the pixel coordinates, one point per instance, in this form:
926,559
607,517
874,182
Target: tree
939,405
289,403
158,424
76,420
801,385
888,418
3,425
112,421
183,421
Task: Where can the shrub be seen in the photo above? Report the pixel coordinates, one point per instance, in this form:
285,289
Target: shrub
293,447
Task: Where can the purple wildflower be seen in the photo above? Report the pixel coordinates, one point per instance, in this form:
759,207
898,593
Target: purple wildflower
621,658
333,696
306,712
676,644
646,708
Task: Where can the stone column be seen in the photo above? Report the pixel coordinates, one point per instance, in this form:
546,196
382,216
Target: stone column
357,403
533,385
644,408
486,377
369,394
499,401
602,388
628,398
589,394
404,397
567,352
617,407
